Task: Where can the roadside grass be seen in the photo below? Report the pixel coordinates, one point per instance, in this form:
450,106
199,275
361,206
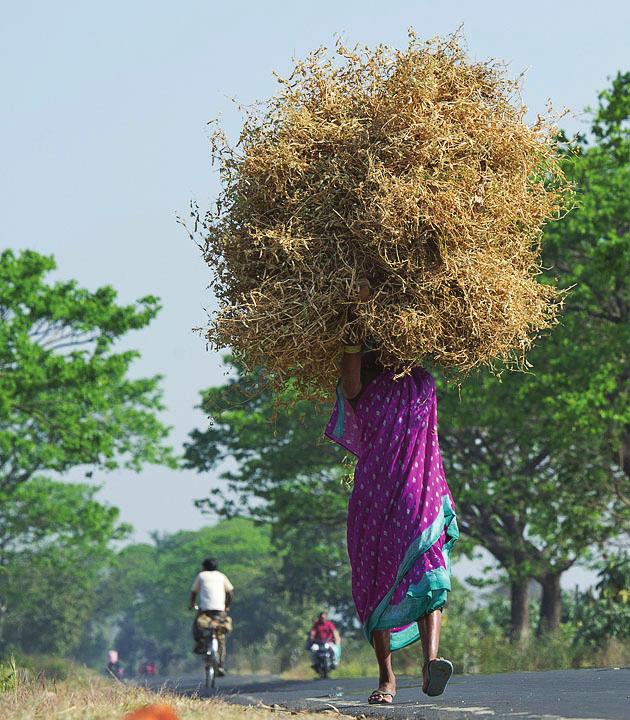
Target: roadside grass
42,688
90,697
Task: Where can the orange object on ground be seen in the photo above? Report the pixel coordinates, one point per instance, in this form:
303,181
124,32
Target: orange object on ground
153,712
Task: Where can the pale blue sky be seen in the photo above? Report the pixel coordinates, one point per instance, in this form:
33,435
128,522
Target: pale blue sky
104,140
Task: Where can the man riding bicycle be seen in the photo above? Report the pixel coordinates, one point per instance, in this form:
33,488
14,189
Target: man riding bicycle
215,593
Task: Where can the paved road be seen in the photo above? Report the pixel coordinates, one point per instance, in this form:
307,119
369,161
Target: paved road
554,695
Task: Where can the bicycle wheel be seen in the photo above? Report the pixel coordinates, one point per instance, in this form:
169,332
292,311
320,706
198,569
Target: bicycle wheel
210,671
215,665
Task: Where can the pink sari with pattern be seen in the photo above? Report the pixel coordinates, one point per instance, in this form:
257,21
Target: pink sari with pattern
401,516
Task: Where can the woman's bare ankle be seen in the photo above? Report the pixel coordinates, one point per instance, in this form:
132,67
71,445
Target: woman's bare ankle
387,682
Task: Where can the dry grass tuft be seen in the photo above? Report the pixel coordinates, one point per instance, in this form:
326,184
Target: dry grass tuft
412,168
98,699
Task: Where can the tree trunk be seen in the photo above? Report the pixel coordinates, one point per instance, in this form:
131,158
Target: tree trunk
519,610
550,603
624,453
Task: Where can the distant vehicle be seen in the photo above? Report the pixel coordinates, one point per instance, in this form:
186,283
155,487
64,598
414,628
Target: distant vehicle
147,669
323,655
324,644
114,667
116,670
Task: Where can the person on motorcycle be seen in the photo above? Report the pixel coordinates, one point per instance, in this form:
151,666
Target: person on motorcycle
323,631
114,667
215,593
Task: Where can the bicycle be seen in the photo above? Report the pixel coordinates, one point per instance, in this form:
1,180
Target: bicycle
210,652
211,660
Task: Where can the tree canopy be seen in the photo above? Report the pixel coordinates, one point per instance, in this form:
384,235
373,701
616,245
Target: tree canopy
66,397
56,539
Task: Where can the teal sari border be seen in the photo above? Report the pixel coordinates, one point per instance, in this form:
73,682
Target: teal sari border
338,431
426,596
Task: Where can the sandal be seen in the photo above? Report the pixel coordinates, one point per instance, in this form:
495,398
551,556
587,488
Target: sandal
438,674
378,697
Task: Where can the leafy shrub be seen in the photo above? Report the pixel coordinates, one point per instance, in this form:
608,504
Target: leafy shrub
48,667
8,675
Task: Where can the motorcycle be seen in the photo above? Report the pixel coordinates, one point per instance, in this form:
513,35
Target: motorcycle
323,655
115,670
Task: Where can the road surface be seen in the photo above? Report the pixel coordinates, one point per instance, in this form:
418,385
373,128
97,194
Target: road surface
553,695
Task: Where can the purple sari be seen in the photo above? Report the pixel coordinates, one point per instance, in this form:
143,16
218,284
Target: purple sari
401,517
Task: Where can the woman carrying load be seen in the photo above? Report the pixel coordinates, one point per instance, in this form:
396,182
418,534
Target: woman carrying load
401,516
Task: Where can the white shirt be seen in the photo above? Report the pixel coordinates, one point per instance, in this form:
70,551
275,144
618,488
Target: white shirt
211,585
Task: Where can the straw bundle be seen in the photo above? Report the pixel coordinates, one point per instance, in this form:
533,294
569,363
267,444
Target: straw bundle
414,169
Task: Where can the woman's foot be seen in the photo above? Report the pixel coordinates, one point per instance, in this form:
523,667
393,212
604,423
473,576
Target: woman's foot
435,675
385,694
425,676
382,697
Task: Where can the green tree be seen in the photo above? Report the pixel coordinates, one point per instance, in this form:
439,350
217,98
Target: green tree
535,461
609,617
65,395
534,498
55,541
589,252
65,400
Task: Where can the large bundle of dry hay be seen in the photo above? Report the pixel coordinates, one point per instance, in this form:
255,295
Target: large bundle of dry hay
414,169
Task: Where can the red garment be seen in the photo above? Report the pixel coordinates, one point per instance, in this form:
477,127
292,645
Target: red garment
324,631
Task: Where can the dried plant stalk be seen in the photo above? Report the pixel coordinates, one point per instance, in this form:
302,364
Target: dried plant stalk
412,168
